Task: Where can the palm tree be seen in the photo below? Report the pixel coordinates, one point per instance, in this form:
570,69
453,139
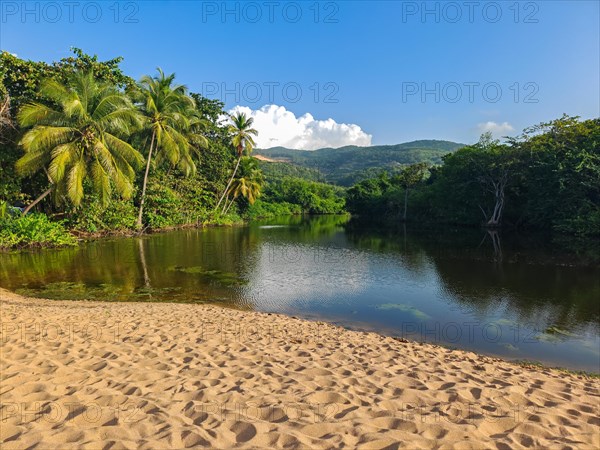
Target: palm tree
81,134
248,185
242,132
170,118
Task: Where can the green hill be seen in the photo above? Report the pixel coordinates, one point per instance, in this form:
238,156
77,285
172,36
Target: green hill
347,165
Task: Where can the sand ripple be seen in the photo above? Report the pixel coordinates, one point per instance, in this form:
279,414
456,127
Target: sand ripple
155,376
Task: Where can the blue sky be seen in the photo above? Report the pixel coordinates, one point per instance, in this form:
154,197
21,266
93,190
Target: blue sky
361,63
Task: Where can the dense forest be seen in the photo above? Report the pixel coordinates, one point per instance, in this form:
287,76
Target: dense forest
546,178
86,150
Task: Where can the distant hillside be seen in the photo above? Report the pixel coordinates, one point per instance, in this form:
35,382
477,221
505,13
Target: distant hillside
273,169
347,165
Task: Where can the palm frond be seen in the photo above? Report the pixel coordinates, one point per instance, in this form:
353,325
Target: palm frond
33,114
45,138
62,156
125,150
101,182
75,182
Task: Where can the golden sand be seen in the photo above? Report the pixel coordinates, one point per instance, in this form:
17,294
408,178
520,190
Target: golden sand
147,375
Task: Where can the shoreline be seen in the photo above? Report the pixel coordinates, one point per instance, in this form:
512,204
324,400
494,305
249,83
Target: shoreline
206,375
89,236
357,327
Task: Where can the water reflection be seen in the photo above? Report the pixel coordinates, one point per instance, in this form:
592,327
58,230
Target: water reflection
517,296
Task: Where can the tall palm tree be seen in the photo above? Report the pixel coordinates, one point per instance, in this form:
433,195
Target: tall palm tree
242,132
82,134
170,118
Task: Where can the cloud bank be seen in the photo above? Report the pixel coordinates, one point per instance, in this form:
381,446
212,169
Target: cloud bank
497,129
279,127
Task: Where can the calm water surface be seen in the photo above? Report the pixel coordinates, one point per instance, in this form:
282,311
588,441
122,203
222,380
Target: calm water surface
519,298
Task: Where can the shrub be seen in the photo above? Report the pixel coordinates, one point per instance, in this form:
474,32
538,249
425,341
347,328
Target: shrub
92,216
262,209
32,230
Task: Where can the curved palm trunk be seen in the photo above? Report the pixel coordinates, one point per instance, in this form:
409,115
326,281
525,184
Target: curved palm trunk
37,200
229,184
141,211
229,206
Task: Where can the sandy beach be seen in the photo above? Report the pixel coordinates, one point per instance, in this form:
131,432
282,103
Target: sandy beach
77,374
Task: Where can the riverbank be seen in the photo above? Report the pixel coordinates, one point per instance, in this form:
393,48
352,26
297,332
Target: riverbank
36,231
82,374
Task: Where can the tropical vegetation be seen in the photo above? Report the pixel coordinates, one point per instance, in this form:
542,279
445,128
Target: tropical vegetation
546,178
86,150
91,150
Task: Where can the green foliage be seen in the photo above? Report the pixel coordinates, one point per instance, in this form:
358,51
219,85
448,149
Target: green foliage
242,133
548,178
82,122
163,208
370,197
212,112
83,136
173,199
262,209
274,170
560,161
33,230
247,187
311,197
172,122
93,217
22,79
10,184
105,71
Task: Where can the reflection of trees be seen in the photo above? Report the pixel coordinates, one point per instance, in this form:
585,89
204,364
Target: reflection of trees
564,296
302,230
398,242
494,235
33,267
525,274
94,264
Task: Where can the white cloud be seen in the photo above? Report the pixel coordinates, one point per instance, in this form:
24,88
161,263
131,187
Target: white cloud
279,127
497,129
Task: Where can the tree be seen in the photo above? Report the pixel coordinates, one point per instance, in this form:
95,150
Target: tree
212,111
248,185
22,79
170,118
82,135
242,132
409,177
474,178
493,164
560,163
366,197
